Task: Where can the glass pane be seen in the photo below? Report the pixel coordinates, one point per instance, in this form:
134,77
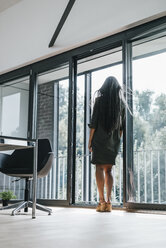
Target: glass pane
100,60
14,97
80,159
53,124
94,70
62,139
149,122
98,78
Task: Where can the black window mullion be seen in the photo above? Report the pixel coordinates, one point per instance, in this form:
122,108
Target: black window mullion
128,173
32,110
84,157
72,131
56,133
87,164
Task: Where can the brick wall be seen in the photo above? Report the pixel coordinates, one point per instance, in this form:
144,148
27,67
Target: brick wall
45,117
45,127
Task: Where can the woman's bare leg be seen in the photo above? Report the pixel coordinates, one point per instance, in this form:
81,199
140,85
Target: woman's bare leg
100,182
108,180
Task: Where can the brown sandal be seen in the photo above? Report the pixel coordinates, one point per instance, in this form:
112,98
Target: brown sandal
108,207
101,207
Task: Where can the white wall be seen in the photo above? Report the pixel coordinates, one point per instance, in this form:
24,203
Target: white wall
27,27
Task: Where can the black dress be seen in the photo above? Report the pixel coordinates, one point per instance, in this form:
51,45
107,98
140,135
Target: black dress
105,146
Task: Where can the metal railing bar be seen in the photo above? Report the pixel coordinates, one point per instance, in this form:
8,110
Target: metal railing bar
114,184
59,177
82,183
145,181
158,167
151,164
165,173
50,184
138,171
120,179
63,180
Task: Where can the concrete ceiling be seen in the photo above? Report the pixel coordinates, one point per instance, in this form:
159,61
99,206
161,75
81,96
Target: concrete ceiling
26,28
5,4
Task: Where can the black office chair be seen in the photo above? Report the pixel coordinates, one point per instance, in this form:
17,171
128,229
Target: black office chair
20,164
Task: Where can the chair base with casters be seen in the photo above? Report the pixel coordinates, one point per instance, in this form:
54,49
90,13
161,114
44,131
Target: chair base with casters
25,204
20,164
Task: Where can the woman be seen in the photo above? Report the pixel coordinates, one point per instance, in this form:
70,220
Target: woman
104,141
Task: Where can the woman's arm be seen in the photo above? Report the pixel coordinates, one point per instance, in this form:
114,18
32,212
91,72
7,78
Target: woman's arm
92,130
93,124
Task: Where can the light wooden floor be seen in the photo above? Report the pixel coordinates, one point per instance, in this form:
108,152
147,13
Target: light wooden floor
78,228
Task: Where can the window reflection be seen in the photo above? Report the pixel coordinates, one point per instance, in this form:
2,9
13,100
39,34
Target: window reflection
14,108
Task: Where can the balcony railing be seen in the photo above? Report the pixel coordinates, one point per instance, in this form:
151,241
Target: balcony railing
117,192
149,180
150,176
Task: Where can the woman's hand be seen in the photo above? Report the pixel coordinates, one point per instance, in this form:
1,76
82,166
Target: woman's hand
90,146
92,130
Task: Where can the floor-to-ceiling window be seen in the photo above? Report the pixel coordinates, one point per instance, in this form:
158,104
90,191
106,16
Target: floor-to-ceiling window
148,174
52,123
92,71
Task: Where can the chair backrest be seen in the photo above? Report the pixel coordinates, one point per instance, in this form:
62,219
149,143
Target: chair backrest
44,148
23,158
